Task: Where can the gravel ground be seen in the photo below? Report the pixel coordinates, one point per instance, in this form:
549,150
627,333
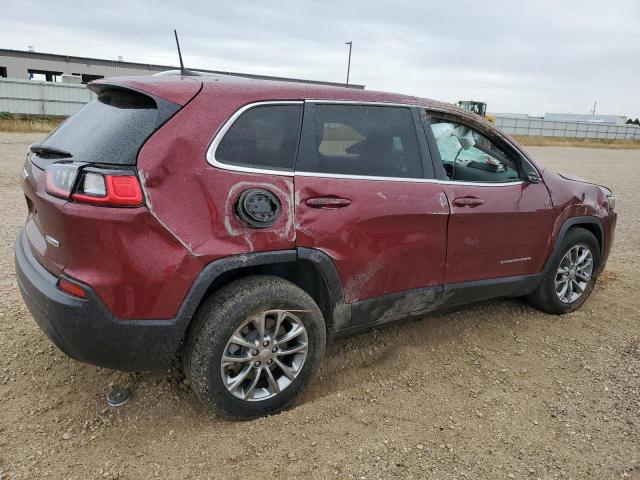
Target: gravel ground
498,390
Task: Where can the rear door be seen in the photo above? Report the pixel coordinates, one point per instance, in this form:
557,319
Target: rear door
365,196
500,221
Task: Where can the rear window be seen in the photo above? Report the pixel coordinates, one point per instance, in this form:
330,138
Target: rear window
110,129
263,136
364,140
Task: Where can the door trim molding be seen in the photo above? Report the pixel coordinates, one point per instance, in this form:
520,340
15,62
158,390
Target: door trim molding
478,290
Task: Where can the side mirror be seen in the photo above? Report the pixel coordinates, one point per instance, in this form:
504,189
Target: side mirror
532,177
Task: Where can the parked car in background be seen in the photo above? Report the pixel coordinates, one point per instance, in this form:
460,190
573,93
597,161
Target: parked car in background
237,224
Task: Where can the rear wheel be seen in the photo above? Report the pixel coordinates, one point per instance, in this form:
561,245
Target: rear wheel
570,278
254,346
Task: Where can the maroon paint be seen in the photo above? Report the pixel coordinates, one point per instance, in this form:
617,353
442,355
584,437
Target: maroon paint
575,199
44,215
123,253
499,237
388,230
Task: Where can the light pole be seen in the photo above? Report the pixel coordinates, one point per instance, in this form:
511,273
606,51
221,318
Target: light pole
350,43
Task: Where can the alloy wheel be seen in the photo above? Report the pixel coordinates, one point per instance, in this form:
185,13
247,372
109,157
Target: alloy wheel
574,273
264,355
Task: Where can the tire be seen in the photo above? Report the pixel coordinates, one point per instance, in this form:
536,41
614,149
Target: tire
546,297
250,301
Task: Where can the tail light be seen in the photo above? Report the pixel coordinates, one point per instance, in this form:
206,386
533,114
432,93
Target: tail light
77,182
123,190
61,178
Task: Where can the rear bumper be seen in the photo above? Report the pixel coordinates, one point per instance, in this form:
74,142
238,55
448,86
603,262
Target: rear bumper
85,330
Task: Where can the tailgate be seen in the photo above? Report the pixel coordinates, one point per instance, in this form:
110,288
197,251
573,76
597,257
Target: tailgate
107,132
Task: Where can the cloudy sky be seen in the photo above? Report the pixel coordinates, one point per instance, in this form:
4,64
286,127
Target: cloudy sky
518,56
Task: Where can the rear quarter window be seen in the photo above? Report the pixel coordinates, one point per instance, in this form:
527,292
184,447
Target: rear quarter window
111,128
264,136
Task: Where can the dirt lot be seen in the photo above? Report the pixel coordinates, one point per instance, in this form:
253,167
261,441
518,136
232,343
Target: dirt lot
498,390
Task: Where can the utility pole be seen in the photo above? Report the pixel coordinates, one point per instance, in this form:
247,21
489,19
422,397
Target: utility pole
350,43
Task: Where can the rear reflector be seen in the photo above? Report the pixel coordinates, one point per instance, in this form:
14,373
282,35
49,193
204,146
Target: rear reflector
125,188
71,288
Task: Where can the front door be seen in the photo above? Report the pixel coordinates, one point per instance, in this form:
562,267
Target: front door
361,197
498,220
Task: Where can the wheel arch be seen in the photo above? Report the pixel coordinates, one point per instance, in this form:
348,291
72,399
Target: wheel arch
589,223
311,270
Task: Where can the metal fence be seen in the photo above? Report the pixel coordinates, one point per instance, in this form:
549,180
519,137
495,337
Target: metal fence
42,98
548,128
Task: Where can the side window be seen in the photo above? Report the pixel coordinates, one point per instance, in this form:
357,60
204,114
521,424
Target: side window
469,156
364,140
264,136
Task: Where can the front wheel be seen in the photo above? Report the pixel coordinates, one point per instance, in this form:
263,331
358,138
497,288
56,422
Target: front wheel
568,282
254,346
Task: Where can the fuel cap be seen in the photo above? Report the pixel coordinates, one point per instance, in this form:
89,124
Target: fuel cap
258,208
118,396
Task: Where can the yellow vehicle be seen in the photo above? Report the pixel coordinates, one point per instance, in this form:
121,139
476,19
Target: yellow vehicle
479,108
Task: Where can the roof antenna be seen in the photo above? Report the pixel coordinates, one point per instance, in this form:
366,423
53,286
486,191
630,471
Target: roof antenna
183,71
179,52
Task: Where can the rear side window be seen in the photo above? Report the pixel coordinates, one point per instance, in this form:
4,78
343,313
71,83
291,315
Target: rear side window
110,129
264,136
364,140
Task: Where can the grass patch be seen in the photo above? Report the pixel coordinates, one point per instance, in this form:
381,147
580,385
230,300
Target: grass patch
28,123
577,142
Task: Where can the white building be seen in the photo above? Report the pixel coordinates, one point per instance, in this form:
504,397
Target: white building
586,118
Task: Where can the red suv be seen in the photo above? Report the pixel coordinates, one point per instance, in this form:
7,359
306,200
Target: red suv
236,224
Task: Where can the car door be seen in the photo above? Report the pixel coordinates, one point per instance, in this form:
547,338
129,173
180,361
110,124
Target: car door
362,198
500,215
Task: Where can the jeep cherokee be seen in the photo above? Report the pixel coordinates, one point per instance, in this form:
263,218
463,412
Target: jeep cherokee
235,224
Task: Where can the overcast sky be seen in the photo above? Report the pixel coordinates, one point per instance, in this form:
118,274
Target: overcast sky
518,56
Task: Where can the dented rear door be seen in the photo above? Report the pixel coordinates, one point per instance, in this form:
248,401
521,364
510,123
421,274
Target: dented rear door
362,199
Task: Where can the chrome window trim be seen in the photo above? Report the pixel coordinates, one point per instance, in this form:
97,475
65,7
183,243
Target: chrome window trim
365,103
211,158
404,179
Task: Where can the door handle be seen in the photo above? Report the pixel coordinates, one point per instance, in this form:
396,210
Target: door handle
330,203
468,202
